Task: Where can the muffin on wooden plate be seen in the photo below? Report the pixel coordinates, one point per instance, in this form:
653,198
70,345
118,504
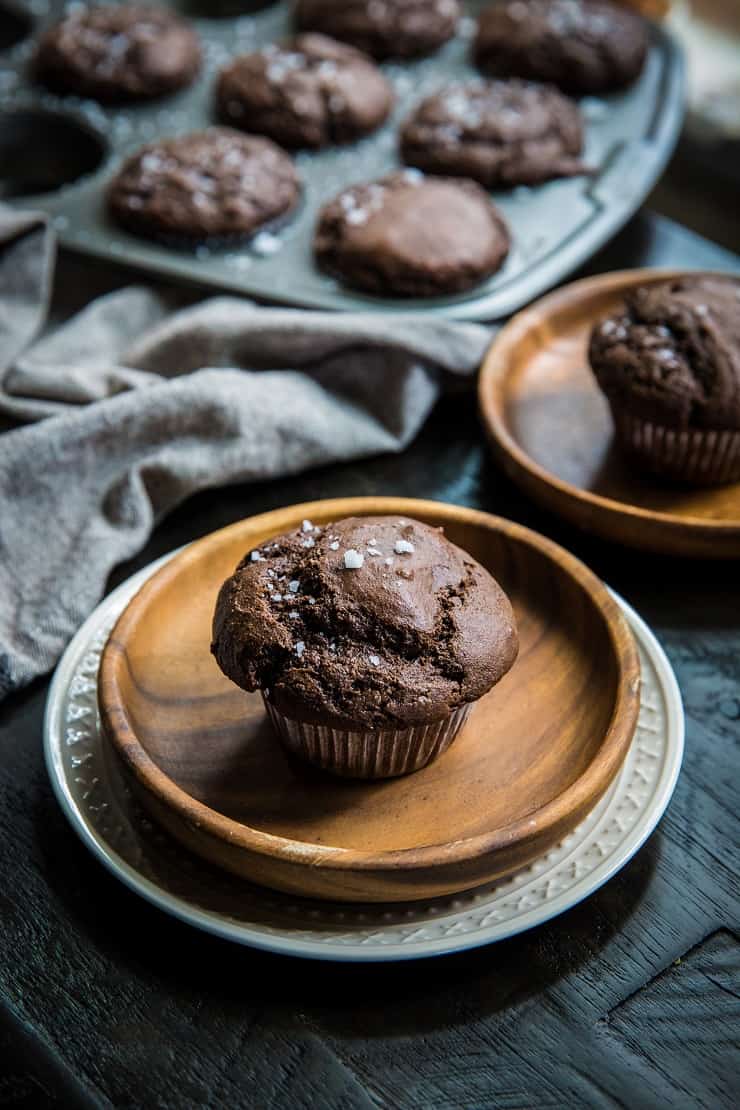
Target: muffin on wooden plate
369,640
669,364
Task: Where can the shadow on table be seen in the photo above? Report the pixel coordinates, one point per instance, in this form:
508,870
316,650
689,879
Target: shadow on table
352,999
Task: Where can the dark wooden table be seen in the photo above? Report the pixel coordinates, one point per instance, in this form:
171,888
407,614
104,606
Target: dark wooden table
631,999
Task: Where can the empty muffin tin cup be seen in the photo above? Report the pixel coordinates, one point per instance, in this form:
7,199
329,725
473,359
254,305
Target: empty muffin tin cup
369,753
15,26
42,151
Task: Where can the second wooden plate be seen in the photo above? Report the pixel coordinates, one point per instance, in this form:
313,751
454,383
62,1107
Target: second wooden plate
550,426
535,756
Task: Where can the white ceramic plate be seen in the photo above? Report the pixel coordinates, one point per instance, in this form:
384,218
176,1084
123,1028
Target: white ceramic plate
110,823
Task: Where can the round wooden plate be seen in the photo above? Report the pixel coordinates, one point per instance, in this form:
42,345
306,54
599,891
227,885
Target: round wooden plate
535,756
550,426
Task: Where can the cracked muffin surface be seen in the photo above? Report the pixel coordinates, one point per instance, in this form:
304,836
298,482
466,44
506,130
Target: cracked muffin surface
118,52
500,133
307,92
582,46
371,622
382,28
212,184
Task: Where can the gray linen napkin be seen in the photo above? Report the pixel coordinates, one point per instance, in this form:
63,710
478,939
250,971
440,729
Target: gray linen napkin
130,407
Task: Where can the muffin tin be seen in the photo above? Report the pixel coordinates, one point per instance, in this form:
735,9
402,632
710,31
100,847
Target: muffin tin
57,155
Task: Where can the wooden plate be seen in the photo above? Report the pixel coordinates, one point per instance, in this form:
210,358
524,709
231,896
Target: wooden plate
550,426
533,759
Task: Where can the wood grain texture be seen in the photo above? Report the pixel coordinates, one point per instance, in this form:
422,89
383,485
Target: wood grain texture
550,426
534,757
146,1012
705,986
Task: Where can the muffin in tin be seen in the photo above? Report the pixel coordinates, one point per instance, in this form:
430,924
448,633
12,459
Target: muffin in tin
668,362
307,92
382,28
120,52
217,185
582,46
369,639
499,133
407,235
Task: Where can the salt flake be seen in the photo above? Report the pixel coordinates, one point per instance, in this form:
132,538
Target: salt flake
265,244
412,176
353,560
403,547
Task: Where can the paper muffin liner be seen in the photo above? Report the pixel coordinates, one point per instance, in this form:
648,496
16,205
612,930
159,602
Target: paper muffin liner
368,753
699,456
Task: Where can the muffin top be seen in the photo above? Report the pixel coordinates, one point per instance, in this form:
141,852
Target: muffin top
500,133
213,183
582,46
308,91
119,52
369,622
672,354
411,236
382,28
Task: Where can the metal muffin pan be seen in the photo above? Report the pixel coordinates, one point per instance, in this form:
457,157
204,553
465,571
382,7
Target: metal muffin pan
47,141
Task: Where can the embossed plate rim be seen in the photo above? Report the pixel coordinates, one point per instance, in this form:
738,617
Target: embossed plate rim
347,946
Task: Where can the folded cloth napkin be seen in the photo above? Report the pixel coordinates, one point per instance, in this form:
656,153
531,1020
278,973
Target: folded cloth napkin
130,407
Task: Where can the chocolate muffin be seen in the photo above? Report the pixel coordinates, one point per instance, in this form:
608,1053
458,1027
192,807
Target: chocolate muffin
310,92
368,638
411,236
582,46
500,133
382,28
118,52
214,184
669,364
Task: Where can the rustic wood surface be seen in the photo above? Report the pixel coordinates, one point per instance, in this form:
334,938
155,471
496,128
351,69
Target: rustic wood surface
536,754
628,1000
550,426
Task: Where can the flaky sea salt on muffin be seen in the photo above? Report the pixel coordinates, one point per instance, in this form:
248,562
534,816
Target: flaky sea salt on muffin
669,365
369,639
